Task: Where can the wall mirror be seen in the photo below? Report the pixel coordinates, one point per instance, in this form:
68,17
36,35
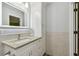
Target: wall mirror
15,15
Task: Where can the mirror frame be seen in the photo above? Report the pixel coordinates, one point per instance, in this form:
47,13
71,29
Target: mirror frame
26,19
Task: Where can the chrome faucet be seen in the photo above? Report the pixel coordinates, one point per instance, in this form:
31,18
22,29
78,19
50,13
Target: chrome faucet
19,36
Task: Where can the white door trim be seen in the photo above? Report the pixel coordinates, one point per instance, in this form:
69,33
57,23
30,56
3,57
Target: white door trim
71,27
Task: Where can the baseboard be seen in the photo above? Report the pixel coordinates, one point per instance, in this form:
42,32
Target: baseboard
75,54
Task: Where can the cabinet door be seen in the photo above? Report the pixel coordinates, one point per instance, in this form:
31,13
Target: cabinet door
42,46
35,49
23,51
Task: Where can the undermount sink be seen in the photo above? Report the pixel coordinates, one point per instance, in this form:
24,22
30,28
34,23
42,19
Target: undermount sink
19,41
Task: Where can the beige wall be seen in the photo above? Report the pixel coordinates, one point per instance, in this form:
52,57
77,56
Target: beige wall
57,43
57,37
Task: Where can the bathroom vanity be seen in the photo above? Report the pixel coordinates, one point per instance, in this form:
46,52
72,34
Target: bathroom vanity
27,19
30,46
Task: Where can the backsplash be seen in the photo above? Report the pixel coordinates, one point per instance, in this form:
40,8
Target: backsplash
13,31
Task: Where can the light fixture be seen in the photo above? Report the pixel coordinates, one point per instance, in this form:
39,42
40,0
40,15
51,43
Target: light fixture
26,4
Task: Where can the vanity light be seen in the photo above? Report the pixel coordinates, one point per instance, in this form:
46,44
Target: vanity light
26,4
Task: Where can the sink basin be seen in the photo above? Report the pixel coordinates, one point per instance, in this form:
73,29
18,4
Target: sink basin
19,41
14,43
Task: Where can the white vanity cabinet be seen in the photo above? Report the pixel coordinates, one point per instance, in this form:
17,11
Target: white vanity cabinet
32,49
36,48
23,51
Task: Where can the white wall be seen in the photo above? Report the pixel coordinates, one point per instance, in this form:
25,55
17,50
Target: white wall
58,15
57,42
38,22
35,19
8,10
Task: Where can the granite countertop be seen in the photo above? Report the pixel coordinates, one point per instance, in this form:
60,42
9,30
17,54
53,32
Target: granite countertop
14,43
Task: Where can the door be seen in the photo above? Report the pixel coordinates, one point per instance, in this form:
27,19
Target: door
76,28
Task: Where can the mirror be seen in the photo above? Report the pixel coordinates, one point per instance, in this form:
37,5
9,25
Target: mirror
15,14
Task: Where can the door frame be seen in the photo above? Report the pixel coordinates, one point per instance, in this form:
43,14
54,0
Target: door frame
71,29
